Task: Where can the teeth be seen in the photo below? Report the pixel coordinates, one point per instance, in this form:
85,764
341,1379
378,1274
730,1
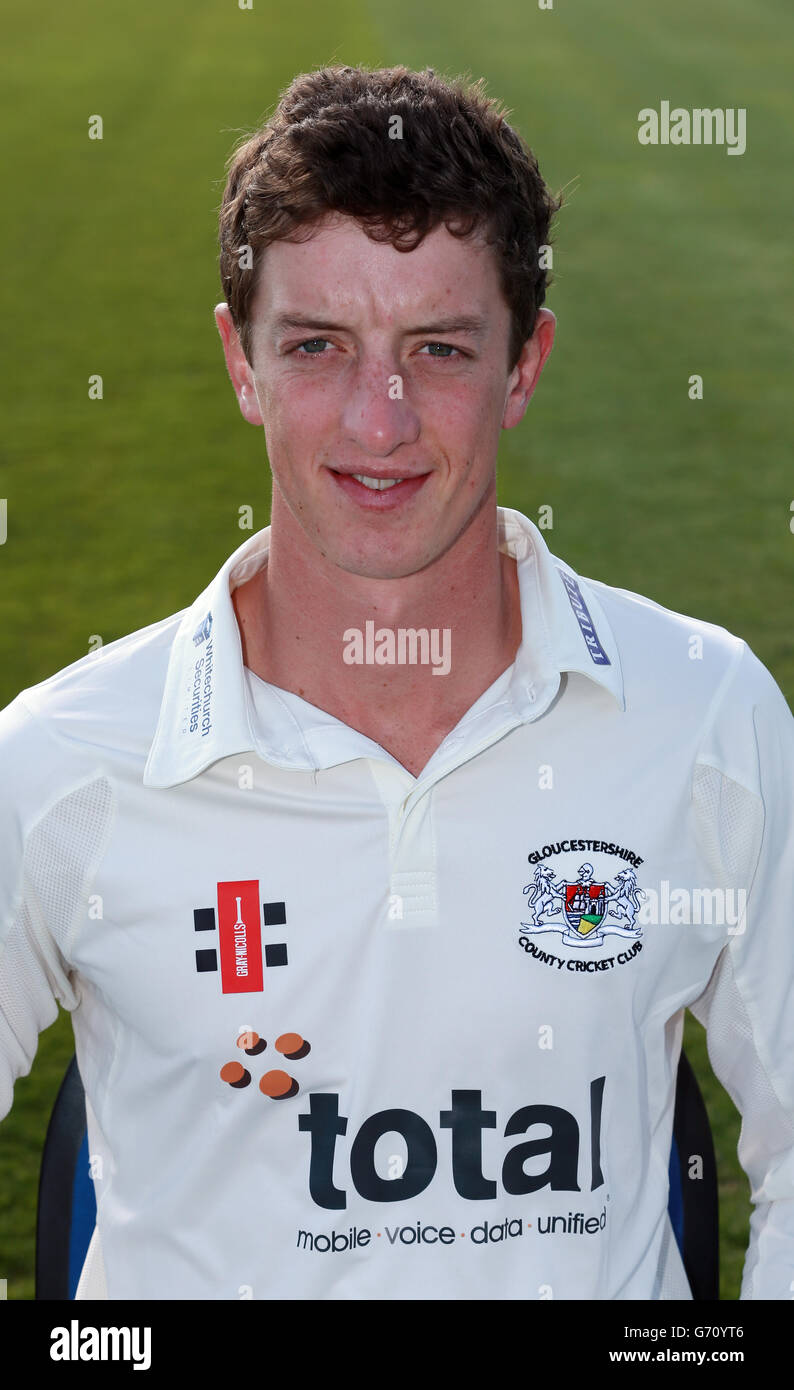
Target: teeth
377,484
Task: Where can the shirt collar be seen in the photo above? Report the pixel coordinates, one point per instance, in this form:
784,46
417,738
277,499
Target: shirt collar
207,711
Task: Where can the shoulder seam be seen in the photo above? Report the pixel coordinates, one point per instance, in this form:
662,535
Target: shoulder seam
715,704
40,813
82,780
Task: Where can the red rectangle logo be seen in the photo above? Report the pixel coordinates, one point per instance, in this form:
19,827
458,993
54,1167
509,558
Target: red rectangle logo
240,932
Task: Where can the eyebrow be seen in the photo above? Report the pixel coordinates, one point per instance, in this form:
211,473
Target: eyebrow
455,323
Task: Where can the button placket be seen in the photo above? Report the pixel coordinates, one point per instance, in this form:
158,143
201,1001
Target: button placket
412,857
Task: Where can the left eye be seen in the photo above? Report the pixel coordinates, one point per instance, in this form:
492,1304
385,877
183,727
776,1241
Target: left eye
446,348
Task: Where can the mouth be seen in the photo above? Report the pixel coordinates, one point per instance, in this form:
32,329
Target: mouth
379,491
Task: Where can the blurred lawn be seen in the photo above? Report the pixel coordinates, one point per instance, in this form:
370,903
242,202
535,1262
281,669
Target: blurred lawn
668,261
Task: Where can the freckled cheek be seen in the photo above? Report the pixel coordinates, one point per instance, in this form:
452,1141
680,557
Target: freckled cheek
298,436
468,432
290,413
301,406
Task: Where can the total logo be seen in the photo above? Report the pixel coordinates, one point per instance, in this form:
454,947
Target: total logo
466,1119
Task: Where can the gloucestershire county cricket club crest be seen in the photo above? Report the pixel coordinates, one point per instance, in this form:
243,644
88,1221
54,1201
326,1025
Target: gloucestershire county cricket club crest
580,907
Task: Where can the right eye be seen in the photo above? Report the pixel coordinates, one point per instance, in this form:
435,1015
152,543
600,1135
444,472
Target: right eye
309,343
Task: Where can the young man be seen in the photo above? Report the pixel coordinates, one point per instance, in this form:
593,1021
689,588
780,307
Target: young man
374,878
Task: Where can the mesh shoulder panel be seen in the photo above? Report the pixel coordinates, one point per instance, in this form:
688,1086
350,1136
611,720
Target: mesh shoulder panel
62,855
730,822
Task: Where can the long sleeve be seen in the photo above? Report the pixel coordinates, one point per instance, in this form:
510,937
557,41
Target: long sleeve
34,977
744,802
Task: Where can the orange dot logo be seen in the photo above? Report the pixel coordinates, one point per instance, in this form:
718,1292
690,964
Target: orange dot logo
292,1046
236,1074
276,1084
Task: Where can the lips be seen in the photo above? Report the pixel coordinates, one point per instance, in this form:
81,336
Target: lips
382,491
378,498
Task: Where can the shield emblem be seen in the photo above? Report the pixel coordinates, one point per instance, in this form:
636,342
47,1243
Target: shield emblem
585,906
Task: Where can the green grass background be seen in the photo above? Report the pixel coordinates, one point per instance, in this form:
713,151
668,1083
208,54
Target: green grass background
668,261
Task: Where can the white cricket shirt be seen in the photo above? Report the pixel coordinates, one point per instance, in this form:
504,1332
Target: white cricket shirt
346,1033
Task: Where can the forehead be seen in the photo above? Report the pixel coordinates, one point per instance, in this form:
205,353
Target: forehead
339,269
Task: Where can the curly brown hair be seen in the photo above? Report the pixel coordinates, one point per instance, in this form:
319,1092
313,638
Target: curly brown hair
329,147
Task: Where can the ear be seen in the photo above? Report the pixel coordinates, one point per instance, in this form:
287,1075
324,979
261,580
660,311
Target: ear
524,376
240,371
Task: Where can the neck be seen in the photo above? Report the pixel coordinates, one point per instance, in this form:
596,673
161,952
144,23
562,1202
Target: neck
297,613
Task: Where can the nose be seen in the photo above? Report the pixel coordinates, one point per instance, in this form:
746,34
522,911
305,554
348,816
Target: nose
376,415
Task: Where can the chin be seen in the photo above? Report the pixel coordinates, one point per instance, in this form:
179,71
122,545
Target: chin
379,566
